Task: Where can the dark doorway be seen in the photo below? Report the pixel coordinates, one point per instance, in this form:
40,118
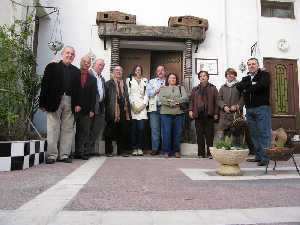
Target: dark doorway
150,59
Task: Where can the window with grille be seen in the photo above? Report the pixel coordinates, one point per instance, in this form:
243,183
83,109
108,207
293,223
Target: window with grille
277,9
281,89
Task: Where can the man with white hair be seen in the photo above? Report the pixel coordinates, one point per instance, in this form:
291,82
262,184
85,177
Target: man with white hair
85,108
98,121
58,98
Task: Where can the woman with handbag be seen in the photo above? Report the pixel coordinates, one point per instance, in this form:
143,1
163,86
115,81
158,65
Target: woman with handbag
138,98
230,101
172,97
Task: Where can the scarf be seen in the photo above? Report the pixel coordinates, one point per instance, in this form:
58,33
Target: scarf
232,83
83,77
119,84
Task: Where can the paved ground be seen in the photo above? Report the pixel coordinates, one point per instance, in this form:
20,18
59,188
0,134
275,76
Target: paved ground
148,191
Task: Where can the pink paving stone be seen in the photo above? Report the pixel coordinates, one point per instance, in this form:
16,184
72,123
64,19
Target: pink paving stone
158,184
19,187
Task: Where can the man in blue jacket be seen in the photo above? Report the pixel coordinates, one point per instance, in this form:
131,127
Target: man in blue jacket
255,88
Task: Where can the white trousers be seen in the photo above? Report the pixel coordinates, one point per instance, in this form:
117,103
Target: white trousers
60,130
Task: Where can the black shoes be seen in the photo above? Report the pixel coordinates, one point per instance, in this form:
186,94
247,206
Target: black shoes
65,160
253,160
50,161
262,163
154,152
84,157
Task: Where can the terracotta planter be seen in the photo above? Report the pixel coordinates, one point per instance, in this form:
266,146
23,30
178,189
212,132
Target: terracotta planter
20,155
229,160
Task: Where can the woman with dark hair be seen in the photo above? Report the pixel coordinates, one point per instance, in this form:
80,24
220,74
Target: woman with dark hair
230,101
138,99
171,96
204,109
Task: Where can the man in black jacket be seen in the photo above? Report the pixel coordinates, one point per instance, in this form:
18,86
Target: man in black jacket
85,109
58,98
256,91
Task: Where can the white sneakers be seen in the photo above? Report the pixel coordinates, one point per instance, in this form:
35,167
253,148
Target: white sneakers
138,152
135,152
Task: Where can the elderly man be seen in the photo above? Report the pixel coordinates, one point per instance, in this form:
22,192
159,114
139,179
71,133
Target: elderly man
58,98
152,90
255,88
85,108
98,122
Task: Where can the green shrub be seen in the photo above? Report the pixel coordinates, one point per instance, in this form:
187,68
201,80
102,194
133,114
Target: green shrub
19,84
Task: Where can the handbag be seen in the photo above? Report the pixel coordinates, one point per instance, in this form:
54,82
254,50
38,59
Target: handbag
184,106
238,120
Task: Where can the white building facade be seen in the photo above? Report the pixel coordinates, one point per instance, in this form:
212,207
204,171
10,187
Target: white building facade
237,31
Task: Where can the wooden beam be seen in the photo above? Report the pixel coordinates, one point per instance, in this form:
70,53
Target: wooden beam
132,31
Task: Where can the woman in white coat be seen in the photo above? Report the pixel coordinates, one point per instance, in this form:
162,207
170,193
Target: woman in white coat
138,98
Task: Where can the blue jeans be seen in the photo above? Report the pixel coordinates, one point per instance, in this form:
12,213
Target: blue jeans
259,121
171,133
155,130
137,134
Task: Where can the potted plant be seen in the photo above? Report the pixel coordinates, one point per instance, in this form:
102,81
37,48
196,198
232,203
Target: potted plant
19,86
279,151
229,157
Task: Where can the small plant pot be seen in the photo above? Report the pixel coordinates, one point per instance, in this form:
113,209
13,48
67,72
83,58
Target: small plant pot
229,160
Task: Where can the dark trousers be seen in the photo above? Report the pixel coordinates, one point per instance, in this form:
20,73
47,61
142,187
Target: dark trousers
137,134
119,132
83,124
96,130
205,134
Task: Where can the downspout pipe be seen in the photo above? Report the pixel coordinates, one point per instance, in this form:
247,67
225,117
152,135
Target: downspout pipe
225,35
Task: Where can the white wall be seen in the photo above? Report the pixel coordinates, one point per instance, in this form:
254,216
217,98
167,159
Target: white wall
5,12
234,26
10,12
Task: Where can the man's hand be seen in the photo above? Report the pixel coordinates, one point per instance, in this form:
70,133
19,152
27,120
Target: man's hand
234,108
77,108
157,91
216,117
92,114
191,114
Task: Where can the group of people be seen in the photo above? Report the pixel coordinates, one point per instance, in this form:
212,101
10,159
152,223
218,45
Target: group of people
72,96
119,108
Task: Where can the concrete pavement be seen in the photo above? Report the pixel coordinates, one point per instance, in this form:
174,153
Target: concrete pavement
148,190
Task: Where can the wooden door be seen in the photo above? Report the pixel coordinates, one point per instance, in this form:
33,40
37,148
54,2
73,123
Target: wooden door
284,93
172,60
131,57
